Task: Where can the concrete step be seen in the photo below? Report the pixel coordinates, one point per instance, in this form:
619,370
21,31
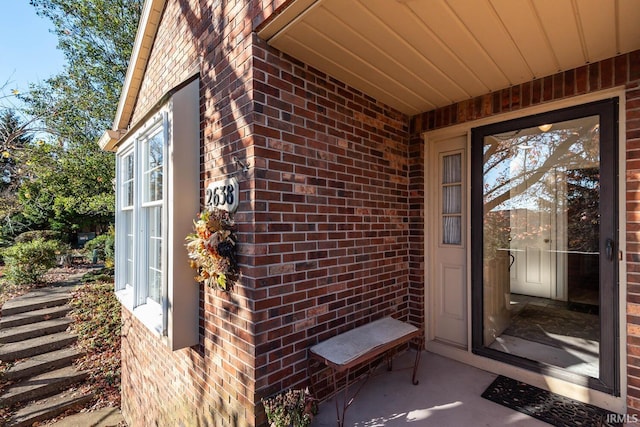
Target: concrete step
36,300
34,346
48,408
41,386
42,363
25,318
34,330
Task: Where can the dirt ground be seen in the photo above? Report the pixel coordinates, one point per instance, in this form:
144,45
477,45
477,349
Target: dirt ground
56,274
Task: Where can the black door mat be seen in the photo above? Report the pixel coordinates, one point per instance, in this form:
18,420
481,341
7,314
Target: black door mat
549,407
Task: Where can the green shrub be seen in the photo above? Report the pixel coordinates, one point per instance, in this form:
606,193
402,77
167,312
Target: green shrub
110,248
4,243
27,262
104,244
29,236
97,243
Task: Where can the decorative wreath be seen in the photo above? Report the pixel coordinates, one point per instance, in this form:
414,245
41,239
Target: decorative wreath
212,249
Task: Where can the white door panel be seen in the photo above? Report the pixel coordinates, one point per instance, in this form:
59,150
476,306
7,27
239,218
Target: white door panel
448,239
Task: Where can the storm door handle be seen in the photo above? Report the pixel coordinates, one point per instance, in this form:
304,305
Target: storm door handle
609,249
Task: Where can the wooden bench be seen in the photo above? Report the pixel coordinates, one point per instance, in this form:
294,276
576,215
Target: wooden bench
361,345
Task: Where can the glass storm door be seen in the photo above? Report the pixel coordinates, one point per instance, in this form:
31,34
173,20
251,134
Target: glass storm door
544,243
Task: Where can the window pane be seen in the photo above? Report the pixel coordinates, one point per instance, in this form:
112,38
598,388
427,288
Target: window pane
127,180
452,199
128,230
154,254
129,168
452,169
153,168
451,230
541,222
129,193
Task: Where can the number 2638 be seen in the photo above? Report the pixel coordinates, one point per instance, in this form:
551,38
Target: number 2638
220,196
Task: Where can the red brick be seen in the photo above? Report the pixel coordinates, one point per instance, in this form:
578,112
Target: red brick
582,80
606,73
515,98
621,70
526,94
634,65
547,88
506,100
536,91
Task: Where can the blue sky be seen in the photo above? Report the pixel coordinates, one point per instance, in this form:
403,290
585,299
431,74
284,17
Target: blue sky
28,52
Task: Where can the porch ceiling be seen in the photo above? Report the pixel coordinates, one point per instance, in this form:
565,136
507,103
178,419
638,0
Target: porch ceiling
417,55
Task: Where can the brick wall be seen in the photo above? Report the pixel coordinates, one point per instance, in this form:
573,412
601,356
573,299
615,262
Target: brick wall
165,388
621,71
331,213
212,383
632,123
323,219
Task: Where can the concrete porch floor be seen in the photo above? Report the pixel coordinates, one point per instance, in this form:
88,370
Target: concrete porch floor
449,395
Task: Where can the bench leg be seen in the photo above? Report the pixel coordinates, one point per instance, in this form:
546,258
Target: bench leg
420,343
340,416
339,412
312,388
348,400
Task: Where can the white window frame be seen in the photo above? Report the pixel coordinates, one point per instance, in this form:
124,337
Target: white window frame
174,318
135,296
126,208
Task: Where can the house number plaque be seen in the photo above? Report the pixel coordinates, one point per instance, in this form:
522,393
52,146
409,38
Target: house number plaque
222,195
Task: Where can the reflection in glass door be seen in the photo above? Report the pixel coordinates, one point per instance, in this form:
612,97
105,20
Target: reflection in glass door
544,256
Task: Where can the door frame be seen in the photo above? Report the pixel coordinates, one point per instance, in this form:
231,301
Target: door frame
466,355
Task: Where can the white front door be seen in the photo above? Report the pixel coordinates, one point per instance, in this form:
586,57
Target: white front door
532,262
448,240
